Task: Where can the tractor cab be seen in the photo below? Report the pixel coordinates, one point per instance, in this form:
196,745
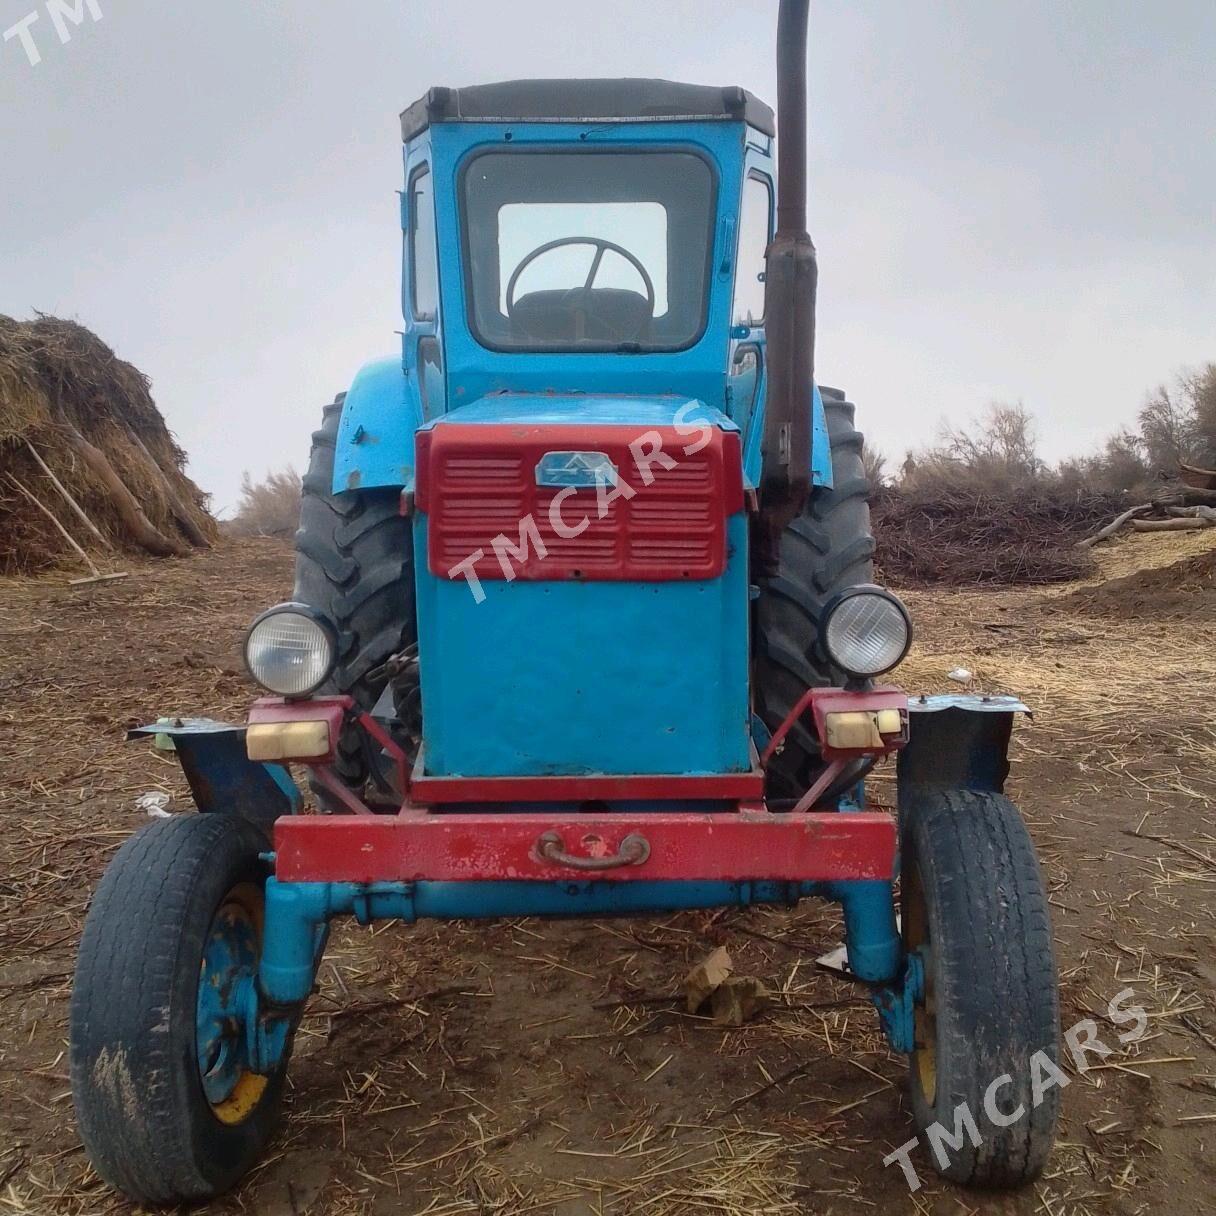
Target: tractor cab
585,218
588,237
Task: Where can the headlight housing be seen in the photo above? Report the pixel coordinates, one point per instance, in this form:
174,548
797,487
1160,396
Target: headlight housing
866,631
290,650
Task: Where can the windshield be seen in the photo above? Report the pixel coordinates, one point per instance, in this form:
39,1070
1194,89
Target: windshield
588,250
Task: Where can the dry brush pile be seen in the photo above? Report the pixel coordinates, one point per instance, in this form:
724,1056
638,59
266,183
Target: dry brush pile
980,506
957,536
85,455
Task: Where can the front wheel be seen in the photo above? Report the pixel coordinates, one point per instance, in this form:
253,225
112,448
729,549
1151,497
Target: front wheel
974,910
167,1106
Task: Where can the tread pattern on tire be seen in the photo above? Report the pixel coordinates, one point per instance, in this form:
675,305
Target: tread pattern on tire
354,565
140,950
997,1000
826,549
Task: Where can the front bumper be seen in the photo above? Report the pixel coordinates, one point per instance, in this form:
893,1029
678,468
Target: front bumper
729,845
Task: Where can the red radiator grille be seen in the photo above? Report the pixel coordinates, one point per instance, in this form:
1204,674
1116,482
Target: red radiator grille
478,483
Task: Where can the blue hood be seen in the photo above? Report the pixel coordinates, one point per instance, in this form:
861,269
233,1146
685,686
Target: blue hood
549,409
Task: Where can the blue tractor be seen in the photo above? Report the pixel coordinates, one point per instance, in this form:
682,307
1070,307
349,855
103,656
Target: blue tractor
584,623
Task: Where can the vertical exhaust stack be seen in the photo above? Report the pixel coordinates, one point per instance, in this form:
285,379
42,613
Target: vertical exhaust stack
791,274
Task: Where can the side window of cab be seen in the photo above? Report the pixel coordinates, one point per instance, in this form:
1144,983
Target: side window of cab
755,219
423,260
755,230
424,267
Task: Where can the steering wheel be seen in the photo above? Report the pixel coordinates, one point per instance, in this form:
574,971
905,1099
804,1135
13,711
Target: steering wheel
601,247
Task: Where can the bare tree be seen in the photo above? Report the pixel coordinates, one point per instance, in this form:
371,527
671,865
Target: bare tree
998,452
1166,428
995,452
1121,465
1200,390
1003,442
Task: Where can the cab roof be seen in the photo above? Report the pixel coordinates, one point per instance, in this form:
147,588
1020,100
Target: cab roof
628,100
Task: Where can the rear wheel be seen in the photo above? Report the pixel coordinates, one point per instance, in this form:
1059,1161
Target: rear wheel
355,565
167,1106
826,549
975,912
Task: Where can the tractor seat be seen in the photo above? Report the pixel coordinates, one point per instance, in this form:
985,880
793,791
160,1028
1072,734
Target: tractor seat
595,314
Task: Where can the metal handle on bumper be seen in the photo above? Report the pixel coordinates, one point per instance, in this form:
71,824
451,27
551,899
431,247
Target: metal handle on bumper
634,851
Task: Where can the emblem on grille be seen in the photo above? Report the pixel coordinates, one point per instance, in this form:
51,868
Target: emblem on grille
577,469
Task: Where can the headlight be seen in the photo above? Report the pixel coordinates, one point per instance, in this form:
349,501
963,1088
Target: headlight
290,650
866,631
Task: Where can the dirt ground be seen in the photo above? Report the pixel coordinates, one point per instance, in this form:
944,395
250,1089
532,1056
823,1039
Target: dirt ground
531,1067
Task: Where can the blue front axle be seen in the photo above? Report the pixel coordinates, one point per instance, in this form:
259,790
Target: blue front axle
297,916
297,912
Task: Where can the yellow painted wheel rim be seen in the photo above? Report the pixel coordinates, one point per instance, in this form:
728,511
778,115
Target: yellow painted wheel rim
243,906
243,1100
917,939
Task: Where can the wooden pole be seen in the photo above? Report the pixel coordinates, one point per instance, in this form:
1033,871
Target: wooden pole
139,527
194,534
84,557
88,523
1208,513
1186,496
1114,526
1170,525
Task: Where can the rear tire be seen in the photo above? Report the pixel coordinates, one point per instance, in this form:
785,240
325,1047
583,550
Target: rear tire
975,908
146,1121
355,566
825,550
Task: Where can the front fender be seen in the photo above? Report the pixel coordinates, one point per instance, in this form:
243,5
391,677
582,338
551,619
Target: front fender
957,741
375,444
821,445
222,778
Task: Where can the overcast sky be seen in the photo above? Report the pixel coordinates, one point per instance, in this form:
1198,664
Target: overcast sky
1011,200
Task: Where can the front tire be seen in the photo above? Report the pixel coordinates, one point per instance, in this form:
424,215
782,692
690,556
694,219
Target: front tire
975,910
166,1109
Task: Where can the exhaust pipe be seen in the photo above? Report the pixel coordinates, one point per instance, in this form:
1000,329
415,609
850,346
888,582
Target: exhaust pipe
791,275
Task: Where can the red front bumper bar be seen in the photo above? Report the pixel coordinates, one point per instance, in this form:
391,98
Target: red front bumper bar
729,845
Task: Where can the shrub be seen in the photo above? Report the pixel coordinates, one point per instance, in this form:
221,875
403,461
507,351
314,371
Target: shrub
270,507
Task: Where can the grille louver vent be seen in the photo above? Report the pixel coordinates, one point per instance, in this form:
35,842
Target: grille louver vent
477,483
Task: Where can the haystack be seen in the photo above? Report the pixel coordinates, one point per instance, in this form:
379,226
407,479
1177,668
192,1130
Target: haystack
82,440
